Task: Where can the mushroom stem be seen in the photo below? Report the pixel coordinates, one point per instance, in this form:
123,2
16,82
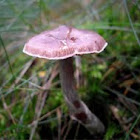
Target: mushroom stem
77,108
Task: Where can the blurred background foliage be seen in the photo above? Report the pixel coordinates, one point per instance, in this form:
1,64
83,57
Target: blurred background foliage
109,82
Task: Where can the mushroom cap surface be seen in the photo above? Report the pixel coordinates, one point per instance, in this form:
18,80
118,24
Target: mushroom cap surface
64,42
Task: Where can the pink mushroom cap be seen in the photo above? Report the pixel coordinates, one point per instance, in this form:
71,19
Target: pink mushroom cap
64,42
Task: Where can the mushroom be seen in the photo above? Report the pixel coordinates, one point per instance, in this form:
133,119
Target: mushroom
61,44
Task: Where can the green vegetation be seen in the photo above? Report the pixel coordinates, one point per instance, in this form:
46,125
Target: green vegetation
110,81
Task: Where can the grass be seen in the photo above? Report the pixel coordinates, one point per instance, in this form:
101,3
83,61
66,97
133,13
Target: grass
109,81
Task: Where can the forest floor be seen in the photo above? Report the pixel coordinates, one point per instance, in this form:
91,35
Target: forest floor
109,82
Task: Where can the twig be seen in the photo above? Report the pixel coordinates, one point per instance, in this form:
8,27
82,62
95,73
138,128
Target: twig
131,107
7,109
68,129
120,95
132,127
77,130
115,112
41,102
27,66
59,115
